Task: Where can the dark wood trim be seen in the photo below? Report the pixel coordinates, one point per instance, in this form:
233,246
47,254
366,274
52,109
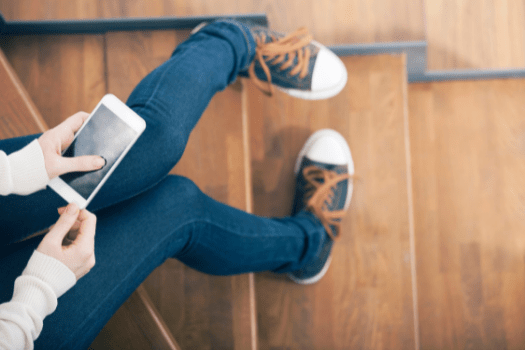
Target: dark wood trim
104,25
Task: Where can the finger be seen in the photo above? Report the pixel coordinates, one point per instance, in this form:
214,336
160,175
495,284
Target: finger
69,127
64,223
76,226
82,163
88,225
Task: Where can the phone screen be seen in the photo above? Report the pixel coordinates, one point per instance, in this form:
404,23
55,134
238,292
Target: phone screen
106,135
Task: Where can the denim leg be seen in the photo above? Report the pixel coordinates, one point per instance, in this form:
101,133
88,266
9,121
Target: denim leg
173,219
171,99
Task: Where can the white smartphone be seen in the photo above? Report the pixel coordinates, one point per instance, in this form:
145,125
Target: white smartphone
110,131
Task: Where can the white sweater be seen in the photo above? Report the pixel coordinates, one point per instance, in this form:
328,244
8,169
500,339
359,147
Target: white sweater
44,279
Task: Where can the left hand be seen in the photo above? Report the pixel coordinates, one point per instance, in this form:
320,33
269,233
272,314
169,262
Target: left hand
54,141
72,240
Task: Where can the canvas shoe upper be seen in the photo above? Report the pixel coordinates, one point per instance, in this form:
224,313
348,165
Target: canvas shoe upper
295,64
324,171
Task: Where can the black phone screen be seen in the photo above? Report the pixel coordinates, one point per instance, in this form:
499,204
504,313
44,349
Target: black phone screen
104,135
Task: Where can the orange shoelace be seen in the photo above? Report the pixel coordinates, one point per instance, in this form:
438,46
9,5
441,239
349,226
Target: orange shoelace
320,187
274,52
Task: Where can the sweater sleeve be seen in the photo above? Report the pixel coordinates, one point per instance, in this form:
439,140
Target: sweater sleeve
23,172
35,296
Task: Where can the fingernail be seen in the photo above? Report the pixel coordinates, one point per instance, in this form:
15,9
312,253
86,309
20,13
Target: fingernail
100,162
61,210
72,209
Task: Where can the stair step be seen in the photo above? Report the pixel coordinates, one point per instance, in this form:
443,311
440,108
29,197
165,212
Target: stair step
18,114
468,146
138,315
201,311
63,76
366,299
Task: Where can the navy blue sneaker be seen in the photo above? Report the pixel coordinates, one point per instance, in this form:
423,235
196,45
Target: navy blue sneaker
295,64
324,171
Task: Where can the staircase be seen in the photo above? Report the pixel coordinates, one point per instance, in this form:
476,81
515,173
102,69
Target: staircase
431,254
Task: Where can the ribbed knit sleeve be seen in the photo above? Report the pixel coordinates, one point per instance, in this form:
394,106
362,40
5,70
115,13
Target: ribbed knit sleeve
23,172
35,296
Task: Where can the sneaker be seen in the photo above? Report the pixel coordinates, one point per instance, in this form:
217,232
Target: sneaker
324,171
295,64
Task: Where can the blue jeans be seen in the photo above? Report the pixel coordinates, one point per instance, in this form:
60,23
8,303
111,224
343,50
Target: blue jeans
145,216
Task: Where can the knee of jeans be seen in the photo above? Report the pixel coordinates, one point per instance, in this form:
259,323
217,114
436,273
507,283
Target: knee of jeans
184,189
166,142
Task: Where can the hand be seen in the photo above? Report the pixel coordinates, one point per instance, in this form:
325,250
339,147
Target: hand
54,141
72,240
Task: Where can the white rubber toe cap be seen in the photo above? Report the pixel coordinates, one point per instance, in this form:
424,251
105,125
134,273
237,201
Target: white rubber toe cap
327,150
329,75
326,146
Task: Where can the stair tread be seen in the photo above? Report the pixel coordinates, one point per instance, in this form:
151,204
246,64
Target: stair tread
468,141
365,299
202,311
18,114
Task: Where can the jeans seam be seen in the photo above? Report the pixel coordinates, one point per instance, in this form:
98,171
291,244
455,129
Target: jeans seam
246,39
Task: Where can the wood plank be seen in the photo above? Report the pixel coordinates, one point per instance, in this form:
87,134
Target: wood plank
66,74
468,163
331,22
140,309
56,9
365,300
18,114
62,74
202,311
475,34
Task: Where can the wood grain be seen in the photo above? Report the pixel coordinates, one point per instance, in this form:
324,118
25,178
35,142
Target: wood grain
365,300
18,114
468,149
331,22
137,325
475,34
62,74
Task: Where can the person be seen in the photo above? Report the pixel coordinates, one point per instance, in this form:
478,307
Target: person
143,216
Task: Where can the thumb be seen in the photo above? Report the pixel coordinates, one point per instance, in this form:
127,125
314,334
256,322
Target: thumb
64,223
82,163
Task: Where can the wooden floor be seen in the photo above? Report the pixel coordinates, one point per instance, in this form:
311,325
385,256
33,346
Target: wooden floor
468,158
475,34
460,33
365,300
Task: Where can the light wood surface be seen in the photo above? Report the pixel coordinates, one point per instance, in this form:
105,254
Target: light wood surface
138,316
18,114
64,75
460,33
331,22
365,300
475,34
468,164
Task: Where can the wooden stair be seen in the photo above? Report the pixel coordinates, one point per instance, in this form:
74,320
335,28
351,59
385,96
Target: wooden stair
365,300
439,173
18,117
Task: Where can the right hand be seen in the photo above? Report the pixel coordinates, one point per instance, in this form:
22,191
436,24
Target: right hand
72,240
54,141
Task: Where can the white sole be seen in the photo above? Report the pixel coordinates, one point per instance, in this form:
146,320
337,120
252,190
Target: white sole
316,278
344,145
